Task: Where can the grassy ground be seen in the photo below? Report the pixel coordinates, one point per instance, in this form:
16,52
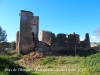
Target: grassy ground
57,65
70,65
60,65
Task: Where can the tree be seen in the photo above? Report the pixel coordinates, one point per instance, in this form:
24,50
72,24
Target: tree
3,35
97,32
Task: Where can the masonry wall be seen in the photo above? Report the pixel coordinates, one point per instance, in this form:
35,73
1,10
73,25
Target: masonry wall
35,26
86,43
65,41
27,23
45,36
61,41
17,42
73,40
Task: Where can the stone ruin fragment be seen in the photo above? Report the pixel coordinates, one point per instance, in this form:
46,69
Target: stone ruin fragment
27,37
64,41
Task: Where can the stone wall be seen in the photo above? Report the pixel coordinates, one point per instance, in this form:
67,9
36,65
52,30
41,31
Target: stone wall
61,41
64,41
73,40
85,45
45,36
28,33
27,37
17,42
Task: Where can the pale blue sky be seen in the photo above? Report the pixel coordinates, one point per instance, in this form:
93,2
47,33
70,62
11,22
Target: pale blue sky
58,16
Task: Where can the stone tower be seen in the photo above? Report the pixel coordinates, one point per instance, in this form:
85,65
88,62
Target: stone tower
87,40
28,33
87,37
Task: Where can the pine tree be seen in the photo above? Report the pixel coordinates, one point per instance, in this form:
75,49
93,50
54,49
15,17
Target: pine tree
3,35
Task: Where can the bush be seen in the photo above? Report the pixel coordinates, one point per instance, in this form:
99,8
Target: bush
92,64
5,62
8,64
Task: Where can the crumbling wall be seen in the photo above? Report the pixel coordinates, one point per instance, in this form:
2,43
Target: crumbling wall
28,31
45,36
61,41
65,41
42,46
17,42
35,27
27,37
48,38
53,42
85,45
73,40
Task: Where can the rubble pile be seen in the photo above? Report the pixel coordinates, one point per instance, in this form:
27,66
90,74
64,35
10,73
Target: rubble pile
33,57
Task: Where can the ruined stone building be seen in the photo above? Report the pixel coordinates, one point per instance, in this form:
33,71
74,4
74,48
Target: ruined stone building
86,43
64,41
45,36
27,36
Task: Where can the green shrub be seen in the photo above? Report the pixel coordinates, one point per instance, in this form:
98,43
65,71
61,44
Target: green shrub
92,60
7,63
92,64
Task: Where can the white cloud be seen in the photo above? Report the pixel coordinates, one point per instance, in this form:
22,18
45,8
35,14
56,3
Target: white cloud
95,37
81,39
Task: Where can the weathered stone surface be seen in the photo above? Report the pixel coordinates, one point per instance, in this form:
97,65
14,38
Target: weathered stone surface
61,41
64,41
27,37
73,40
45,36
28,33
42,46
48,38
85,45
17,42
